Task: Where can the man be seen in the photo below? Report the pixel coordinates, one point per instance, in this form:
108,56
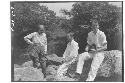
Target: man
69,55
38,47
96,45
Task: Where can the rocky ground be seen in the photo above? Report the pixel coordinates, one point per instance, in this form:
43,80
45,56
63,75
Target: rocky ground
110,70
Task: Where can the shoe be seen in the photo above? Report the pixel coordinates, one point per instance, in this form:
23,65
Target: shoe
77,76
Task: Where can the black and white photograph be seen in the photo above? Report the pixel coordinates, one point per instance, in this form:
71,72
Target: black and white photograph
66,41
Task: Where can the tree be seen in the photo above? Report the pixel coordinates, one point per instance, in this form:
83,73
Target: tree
108,16
26,16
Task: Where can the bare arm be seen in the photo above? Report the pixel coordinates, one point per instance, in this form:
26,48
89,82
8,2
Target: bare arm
89,42
28,37
74,53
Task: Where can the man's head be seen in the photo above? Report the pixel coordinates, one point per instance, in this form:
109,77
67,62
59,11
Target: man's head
70,36
41,29
95,25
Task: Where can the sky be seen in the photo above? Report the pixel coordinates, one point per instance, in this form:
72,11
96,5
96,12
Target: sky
56,7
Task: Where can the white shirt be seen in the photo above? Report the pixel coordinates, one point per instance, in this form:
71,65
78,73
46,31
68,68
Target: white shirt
71,49
98,39
36,38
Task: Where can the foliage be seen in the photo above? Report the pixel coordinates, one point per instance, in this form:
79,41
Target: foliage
27,15
108,16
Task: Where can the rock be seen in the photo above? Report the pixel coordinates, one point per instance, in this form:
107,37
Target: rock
16,66
111,64
28,74
50,78
51,70
65,78
27,64
54,78
51,73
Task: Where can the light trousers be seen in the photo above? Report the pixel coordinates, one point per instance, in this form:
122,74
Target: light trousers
97,60
63,68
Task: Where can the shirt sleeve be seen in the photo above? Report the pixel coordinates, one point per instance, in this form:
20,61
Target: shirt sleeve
74,51
45,42
44,39
65,52
103,39
29,36
89,39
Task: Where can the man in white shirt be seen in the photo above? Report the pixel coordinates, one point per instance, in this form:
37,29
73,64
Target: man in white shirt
38,45
96,45
69,55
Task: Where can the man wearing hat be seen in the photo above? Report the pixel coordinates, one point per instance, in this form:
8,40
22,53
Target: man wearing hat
96,45
37,47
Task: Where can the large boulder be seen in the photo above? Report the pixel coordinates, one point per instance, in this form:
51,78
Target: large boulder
28,74
51,69
27,64
16,66
51,72
65,78
112,64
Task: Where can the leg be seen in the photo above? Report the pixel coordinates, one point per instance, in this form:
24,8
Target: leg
97,60
43,66
62,69
35,61
42,62
82,58
34,57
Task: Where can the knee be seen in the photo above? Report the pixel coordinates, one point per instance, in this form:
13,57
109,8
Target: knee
84,56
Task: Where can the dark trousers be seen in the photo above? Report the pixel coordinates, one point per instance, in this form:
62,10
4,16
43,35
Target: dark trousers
36,53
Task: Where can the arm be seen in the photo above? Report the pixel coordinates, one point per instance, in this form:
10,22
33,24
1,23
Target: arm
65,53
44,39
89,42
103,44
87,48
73,53
104,47
28,37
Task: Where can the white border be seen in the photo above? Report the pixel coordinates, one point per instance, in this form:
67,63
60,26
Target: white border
5,59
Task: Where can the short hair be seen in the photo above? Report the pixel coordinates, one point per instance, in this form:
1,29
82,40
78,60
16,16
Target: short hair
94,21
40,27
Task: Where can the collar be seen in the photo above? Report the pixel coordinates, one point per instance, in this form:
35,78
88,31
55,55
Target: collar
97,31
71,41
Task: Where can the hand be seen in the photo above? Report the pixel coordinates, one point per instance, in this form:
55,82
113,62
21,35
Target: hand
87,48
93,50
31,43
66,59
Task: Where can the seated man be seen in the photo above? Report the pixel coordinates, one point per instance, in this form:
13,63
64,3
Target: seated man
96,44
69,55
